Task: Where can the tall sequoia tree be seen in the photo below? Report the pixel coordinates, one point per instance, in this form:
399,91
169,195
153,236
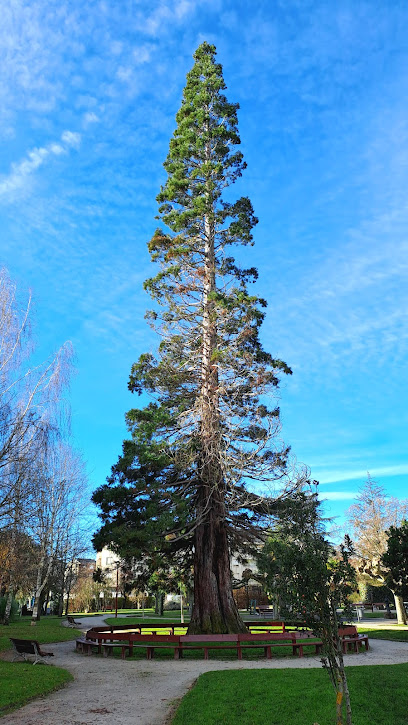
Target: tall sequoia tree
183,484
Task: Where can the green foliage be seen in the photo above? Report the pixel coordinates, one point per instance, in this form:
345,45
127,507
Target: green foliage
313,581
14,609
294,697
395,558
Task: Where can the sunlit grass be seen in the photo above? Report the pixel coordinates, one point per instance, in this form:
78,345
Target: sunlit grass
21,682
398,633
48,629
295,697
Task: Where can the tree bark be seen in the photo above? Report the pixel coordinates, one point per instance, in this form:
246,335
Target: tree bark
399,606
7,611
345,689
214,610
39,589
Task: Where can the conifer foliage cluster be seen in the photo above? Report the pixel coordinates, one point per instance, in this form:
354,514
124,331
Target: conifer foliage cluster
181,492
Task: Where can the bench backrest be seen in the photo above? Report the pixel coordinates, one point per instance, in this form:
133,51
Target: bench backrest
154,638
267,637
208,638
270,623
28,646
350,631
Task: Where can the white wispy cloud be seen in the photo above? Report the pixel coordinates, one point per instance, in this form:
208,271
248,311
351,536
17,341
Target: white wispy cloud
334,476
164,14
90,117
22,171
339,495
71,138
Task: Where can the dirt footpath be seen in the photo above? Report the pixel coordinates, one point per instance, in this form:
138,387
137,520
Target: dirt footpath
121,692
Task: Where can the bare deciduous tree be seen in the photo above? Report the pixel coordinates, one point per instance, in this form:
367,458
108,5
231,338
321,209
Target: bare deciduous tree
57,501
30,412
369,519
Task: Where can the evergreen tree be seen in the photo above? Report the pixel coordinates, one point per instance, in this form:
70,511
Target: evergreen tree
395,560
185,476
312,582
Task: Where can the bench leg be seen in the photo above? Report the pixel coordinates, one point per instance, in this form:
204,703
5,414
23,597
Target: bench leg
205,653
40,661
149,652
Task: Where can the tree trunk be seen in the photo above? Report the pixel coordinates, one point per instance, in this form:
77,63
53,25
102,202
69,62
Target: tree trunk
214,610
339,701
346,692
7,611
39,589
159,603
399,606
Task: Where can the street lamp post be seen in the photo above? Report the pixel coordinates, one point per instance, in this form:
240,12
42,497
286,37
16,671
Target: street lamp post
117,587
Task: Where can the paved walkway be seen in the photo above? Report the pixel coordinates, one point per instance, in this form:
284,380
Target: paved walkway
123,692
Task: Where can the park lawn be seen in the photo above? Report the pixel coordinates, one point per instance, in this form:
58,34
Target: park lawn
294,697
398,633
21,682
48,629
149,618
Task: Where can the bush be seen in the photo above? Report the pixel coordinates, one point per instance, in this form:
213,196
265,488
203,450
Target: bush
171,606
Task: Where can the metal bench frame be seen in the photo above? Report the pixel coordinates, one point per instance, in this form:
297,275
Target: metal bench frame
26,648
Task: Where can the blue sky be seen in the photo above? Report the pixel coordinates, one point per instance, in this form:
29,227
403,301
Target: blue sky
88,96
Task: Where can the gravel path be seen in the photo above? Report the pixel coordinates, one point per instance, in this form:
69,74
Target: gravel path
120,692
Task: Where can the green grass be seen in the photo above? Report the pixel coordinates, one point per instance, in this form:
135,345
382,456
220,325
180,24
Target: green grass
375,615
21,682
48,629
148,619
295,697
398,633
